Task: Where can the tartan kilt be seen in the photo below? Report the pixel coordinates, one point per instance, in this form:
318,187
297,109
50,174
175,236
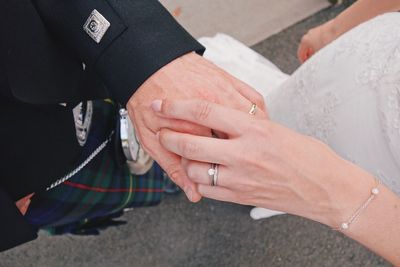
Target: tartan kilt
102,188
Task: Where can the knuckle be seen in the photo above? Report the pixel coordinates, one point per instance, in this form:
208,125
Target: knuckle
202,110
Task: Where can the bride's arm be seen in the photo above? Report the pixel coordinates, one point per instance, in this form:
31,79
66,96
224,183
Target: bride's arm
378,226
267,165
359,12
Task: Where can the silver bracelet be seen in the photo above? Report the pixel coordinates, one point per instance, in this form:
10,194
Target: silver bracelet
374,192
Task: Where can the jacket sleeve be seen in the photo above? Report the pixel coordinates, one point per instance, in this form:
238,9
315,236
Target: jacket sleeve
14,230
142,38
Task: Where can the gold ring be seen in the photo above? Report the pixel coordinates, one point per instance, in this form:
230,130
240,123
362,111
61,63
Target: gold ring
253,109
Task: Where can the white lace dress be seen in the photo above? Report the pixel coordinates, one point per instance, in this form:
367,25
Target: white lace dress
347,95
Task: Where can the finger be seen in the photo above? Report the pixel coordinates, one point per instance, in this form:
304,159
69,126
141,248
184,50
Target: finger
240,96
217,193
230,91
156,123
205,113
302,51
253,96
198,172
198,148
310,53
168,161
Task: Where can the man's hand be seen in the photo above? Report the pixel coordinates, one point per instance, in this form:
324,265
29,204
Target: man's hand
190,76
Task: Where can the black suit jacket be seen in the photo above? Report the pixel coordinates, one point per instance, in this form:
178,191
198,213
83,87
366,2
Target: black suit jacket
43,48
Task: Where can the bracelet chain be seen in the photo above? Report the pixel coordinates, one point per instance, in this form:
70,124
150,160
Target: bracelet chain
374,192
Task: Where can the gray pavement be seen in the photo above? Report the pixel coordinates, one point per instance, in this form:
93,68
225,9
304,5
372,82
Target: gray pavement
178,233
249,21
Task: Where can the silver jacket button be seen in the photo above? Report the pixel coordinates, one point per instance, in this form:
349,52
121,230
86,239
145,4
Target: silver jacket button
96,26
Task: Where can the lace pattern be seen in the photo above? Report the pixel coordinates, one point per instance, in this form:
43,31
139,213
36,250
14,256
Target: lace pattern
363,61
347,95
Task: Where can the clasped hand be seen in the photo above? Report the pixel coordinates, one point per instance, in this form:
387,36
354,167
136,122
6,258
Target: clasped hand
261,163
177,111
188,77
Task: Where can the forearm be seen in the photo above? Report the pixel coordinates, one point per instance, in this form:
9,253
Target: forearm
378,226
360,12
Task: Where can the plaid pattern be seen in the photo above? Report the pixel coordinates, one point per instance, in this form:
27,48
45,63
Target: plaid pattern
102,189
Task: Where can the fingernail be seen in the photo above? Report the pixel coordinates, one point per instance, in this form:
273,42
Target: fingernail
156,105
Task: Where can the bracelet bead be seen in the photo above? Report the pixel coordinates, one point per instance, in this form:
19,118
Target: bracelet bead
344,226
374,192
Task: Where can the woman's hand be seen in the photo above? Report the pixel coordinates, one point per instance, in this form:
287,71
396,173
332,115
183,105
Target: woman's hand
190,76
359,12
23,204
315,39
264,164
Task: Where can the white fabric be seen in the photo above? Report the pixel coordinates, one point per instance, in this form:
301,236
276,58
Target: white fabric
347,95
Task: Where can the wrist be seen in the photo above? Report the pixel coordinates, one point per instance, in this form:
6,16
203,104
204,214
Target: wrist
349,192
332,30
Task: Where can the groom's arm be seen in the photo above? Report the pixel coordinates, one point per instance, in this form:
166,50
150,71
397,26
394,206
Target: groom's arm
142,38
145,55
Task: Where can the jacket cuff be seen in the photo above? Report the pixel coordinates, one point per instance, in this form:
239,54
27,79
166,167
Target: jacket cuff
14,230
152,40
142,37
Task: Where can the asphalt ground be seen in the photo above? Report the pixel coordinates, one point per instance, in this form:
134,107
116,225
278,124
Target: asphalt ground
249,21
178,233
